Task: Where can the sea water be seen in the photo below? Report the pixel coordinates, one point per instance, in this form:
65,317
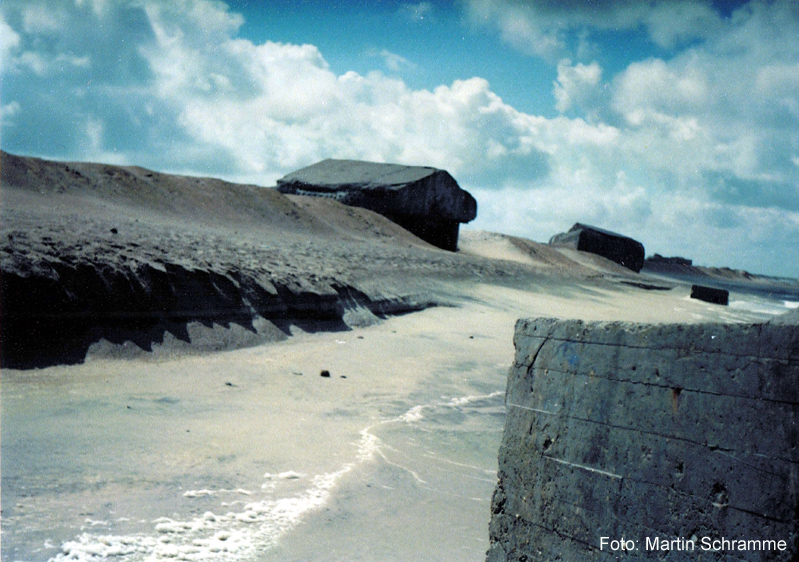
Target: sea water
250,456
418,484
425,496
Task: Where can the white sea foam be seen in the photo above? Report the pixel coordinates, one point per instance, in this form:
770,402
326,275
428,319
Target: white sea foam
252,527
465,400
791,304
371,445
416,414
760,307
287,475
412,415
206,492
236,535
198,493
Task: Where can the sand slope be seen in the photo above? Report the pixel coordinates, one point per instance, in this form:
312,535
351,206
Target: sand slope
98,253
94,252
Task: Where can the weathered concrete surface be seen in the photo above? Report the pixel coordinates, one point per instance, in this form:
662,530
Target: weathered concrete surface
648,432
791,317
423,200
615,247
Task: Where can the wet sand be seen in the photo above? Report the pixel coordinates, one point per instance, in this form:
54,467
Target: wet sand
252,455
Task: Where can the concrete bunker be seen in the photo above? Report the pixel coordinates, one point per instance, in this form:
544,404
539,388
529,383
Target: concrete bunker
425,201
616,247
664,434
710,294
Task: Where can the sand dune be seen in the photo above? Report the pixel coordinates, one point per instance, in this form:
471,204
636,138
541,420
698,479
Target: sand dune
121,254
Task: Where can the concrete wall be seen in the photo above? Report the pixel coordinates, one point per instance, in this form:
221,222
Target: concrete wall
667,432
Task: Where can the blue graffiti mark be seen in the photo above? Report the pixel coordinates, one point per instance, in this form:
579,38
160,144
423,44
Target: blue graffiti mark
568,352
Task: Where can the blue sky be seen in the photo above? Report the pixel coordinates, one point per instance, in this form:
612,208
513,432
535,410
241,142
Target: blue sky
674,122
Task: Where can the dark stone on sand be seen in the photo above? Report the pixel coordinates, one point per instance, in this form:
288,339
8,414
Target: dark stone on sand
325,373
710,294
425,201
616,247
647,286
648,431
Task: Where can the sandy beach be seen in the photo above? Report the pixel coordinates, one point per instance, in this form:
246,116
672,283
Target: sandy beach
251,454
371,435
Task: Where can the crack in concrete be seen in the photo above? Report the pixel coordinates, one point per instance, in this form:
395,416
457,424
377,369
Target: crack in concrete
756,357
584,467
645,432
667,386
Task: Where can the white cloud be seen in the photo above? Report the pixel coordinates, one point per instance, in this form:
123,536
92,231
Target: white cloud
718,109
542,27
710,234
520,24
575,83
706,138
99,7
395,62
9,42
524,212
656,87
94,134
352,116
419,12
693,155
9,110
39,18
673,23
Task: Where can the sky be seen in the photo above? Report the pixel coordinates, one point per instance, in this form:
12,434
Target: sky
674,122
